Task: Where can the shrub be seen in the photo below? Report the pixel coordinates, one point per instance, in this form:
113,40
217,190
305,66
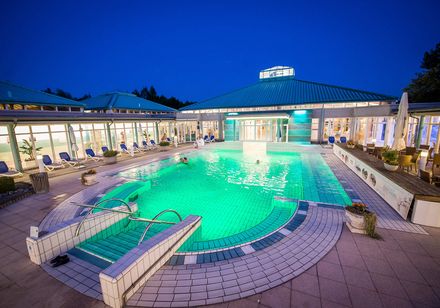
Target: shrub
369,217
391,157
89,172
6,184
350,142
164,143
110,153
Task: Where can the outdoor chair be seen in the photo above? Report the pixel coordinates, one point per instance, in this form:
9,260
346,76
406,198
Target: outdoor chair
91,154
410,150
370,148
104,149
6,171
429,159
146,146
378,152
415,160
331,140
66,159
50,165
424,147
136,147
405,162
436,166
124,148
425,176
153,143
343,139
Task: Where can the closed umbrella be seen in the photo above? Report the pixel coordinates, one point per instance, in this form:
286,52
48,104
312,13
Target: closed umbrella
400,130
72,138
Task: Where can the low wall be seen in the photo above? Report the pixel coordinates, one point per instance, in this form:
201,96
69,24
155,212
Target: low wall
397,197
61,237
124,277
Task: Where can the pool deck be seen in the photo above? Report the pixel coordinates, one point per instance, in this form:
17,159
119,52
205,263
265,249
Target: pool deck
401,269
409,181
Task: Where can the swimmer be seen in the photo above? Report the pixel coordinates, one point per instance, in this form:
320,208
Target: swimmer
184,160
258,161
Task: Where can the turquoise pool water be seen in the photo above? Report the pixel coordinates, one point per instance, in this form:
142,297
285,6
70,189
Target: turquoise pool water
239,199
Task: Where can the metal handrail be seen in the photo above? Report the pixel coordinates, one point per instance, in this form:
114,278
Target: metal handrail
152,221
153,265
95,206
156,221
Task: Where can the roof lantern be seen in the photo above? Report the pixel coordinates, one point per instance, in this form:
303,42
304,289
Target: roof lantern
277,71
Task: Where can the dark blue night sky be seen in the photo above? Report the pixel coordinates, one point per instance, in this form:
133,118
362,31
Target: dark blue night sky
196,50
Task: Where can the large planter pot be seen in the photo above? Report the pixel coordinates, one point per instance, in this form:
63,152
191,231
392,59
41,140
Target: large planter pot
350,146
40,182
89,179
390,167
110,160
355,222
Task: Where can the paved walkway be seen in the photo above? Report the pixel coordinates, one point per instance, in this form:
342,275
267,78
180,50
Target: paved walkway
402,269
359,191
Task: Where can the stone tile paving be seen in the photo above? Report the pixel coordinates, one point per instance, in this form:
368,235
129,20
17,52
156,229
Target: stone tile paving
357,188
216,282
400,270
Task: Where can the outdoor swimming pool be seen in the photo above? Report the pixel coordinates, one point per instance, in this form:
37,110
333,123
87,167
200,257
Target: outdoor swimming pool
238,199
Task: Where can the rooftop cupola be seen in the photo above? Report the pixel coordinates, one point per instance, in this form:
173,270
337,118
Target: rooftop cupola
277,71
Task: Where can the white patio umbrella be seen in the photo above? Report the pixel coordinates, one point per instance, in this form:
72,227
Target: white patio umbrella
72,138
400,130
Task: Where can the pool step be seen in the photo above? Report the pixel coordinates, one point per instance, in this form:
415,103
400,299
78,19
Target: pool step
113,247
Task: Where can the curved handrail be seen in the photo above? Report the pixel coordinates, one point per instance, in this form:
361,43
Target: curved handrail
96,206
115,199
154,218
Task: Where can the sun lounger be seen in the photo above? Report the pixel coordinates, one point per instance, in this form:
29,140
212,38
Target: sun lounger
136,147
124,148
6,171
66,159
146,146
50,165
91,154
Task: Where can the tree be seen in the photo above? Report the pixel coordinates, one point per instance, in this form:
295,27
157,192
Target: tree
426,86
151,95
28,149
65,94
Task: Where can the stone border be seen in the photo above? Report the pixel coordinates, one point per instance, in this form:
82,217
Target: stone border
240,250
222,281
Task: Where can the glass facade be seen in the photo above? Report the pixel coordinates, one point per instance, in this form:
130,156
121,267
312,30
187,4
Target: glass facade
52,139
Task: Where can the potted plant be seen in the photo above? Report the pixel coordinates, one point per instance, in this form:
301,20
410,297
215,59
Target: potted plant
88,177
390,160
163,145
110,157
360,220
350,144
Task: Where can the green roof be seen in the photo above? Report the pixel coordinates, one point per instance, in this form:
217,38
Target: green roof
287,91
122,100
11,93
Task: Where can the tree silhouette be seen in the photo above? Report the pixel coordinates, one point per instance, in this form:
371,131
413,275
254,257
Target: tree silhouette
426,86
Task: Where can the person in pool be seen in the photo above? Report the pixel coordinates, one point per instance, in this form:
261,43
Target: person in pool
184,160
